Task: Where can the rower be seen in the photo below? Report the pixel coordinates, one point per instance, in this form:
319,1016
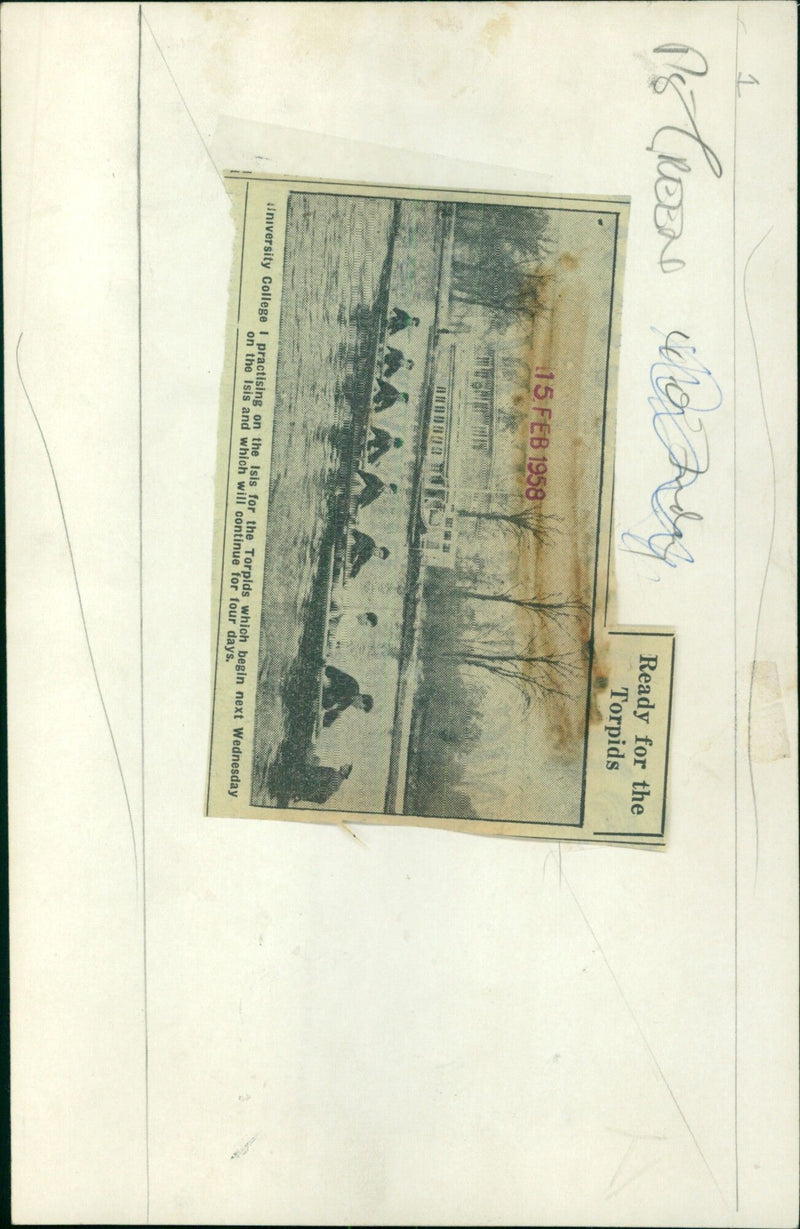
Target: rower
365,618
319,782
373,487
387,395
364,547
339,692
380,444
394,359
400,319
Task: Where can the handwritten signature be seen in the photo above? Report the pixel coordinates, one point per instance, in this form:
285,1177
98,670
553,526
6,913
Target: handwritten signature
683,390
670,167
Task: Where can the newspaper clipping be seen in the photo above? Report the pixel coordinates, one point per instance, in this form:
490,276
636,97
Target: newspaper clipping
413,617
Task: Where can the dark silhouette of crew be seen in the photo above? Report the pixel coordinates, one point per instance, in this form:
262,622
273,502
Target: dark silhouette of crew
387,395
318,782
380,444
341,691
400,319
372,488
394,359
364,547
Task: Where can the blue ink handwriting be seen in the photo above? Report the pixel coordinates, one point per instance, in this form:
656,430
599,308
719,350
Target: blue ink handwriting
670,167
683,391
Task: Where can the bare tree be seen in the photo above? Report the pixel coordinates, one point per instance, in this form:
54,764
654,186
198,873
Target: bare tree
553,607
540,525
497,260
533,675
511,418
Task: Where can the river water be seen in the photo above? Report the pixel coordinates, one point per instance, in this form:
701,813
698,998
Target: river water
335,251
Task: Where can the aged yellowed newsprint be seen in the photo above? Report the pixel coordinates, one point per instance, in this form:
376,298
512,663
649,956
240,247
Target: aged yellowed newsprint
413,605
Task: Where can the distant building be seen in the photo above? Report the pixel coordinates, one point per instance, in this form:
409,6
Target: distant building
459,469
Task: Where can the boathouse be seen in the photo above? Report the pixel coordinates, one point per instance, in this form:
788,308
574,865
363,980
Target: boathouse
459,464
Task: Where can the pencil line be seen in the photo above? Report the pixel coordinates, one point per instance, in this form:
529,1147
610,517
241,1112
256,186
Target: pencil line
769,555
735,657
643,1035
617,1171
183,100
141,621
84,624
639,1173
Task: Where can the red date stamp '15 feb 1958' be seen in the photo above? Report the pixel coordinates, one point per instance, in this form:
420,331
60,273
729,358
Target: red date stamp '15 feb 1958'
539,442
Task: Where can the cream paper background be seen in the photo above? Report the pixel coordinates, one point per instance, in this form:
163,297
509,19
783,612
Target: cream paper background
414,1026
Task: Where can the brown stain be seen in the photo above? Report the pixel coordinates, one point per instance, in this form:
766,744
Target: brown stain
323,35
446,19
496,29
601,671
768,737
227,26
563,567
